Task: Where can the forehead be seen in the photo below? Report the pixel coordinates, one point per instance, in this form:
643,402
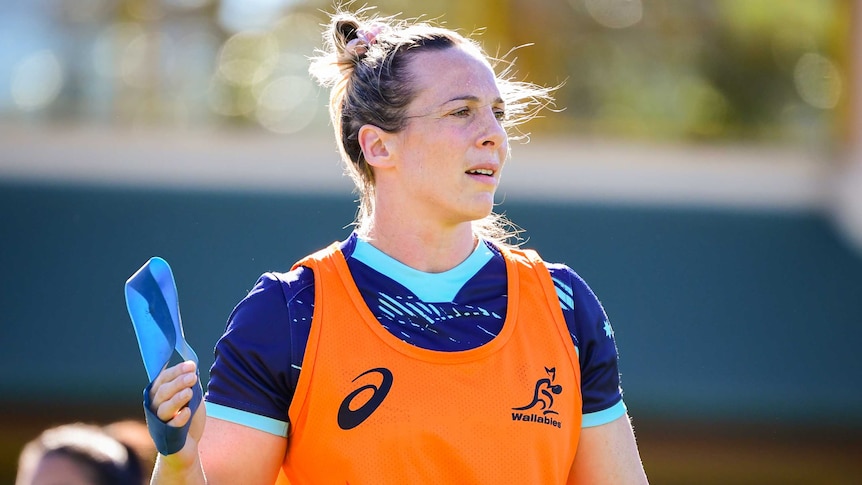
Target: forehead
455,72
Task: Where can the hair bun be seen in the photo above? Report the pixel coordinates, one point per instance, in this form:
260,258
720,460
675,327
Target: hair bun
345,30
357,39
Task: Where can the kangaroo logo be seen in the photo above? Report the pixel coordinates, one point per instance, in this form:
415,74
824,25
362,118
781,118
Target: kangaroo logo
543,395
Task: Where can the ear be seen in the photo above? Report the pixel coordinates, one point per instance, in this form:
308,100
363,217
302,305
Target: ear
375,146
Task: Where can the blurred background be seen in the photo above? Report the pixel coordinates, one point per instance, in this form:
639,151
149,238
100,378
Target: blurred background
704,175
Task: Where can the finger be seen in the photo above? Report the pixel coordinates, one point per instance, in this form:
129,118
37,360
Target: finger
170,373
163,388
169,409
181,418
169,389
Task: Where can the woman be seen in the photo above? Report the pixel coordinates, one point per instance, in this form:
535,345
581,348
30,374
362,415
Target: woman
422,349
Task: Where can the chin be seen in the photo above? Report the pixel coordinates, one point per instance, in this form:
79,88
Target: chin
474,210
480,214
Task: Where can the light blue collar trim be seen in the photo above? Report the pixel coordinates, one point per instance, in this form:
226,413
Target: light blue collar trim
428,287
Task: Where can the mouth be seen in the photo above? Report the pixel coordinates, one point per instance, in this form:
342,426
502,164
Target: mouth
481,171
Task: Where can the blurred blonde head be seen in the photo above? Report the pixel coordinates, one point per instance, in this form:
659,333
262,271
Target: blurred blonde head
78,454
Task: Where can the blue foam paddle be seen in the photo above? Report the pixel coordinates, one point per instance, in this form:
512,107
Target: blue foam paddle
151,298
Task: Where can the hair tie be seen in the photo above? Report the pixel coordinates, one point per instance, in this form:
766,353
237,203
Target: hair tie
364,39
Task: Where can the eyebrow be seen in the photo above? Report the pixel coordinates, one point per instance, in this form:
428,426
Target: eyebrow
465,97
470,97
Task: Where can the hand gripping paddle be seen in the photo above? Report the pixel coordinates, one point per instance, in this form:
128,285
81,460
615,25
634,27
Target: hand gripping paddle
151,298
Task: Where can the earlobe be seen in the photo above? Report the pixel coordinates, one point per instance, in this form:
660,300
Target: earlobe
374,143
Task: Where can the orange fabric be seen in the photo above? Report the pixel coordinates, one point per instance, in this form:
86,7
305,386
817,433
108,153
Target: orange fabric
370,408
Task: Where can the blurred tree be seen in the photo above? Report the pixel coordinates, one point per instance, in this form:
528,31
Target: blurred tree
755,70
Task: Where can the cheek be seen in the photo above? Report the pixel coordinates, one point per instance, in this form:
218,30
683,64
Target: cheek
436,153
424,143
433,151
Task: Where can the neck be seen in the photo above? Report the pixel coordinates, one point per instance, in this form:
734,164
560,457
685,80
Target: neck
422,247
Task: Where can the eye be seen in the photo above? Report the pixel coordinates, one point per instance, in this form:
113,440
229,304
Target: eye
467,111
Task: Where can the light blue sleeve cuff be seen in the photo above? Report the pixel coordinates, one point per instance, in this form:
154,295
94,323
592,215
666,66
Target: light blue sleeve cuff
599,418
245,418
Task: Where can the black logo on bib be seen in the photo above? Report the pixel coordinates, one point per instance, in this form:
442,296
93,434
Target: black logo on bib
543,401
349,418
543,395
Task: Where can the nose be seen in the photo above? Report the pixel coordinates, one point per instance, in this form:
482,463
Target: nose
493,135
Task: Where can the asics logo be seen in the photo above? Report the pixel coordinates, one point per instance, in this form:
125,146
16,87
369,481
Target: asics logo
348,417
